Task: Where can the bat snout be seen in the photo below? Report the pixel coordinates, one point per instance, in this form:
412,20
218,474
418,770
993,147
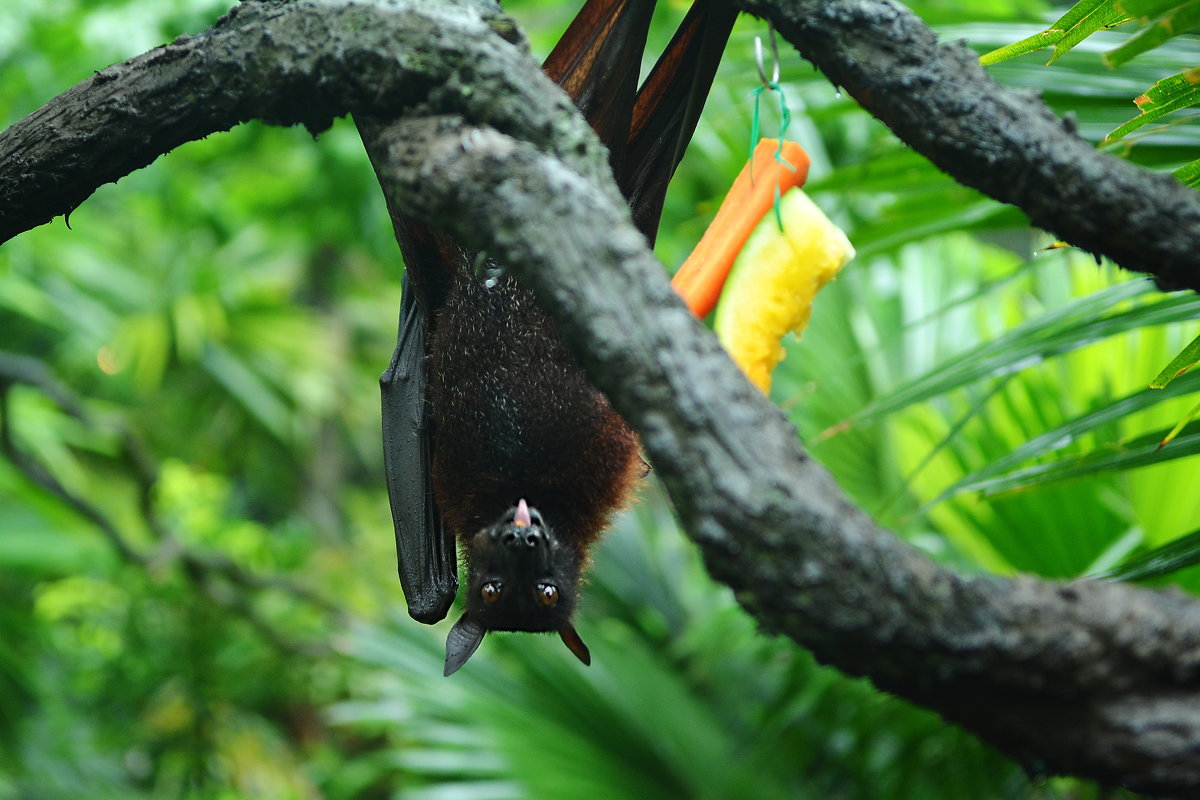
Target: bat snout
522,529
523,538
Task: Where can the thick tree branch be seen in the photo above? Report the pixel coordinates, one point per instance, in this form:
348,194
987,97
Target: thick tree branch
263,62
299,63
1095,679
1004,142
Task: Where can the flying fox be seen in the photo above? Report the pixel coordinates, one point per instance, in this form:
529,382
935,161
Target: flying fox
493,435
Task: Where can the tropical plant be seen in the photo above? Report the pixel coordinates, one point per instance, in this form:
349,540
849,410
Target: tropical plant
194,537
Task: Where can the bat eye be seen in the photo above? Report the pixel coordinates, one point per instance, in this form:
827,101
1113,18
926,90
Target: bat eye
490,592
547,594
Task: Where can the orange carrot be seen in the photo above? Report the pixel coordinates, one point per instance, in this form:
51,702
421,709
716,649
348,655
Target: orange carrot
702,275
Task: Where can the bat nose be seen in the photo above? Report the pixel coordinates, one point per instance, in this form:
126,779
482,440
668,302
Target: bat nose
517,538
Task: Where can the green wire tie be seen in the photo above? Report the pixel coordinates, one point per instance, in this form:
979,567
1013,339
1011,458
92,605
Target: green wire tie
785,115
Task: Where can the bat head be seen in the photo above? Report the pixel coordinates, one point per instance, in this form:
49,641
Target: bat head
522,578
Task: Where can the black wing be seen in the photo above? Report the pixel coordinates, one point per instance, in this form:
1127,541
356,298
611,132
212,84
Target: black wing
646,130
668,107
597,61
425,555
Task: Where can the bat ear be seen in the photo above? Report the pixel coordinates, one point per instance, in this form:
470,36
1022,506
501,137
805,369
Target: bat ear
571,639
462,642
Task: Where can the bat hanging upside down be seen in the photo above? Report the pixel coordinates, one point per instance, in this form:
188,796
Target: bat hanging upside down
492,433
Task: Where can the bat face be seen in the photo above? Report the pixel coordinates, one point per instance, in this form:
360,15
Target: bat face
522,578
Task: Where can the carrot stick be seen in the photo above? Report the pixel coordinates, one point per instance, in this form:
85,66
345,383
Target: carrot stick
702,275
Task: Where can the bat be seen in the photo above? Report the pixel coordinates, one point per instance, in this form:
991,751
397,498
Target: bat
492,433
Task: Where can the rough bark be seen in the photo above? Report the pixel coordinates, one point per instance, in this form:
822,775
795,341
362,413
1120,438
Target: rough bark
935,96
1095,679
282,63
938,99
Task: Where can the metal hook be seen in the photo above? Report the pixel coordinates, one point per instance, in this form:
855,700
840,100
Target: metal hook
758,59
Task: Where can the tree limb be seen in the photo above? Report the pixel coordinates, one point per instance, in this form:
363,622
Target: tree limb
1100,680
1004,142
1094,679
260,63
303,63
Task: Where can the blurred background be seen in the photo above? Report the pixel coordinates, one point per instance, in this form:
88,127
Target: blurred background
197,587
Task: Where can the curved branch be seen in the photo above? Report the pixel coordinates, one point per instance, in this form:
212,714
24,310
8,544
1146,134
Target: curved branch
1004,142
262,61
1094,679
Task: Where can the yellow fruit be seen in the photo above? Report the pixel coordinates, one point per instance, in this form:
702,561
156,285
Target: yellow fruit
773,282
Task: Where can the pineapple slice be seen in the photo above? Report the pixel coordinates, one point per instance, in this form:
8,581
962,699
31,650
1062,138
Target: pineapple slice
773,281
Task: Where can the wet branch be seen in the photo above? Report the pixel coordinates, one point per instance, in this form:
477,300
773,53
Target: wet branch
1095,679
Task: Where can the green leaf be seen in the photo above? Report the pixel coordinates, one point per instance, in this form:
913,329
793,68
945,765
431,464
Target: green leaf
33,545
1085,13
258,398
1104,17
928,216
1188,417
1170,557
1189,174
1069,432
1180,364
1169,94
1080,322
1143,9
1029,44
1182,19
1084,19
1141,451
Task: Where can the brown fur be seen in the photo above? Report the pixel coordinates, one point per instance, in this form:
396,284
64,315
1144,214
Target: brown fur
515,417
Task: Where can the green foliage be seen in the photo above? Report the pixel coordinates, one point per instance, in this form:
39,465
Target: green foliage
1170,94
1188,174
1085,18
1173,20
223,315
1181,363
1161,561
1159,21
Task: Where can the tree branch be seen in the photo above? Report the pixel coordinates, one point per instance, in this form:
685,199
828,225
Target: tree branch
260,62
1095,679
1004,142
298,63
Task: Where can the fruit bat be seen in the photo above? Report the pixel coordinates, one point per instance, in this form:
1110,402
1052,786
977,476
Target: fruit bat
492,433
